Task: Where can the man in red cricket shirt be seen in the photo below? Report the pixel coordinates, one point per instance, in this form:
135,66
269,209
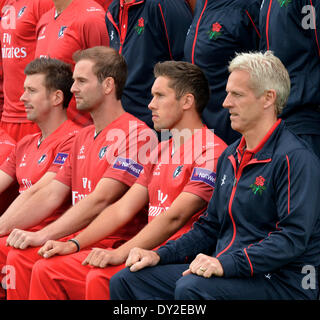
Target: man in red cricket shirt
37,158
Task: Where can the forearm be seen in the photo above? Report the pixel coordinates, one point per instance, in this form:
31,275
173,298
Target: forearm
104,225
37,207
165,225
75,218
11,218
154,233
83,212
198,240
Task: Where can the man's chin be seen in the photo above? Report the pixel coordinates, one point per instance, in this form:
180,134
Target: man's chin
81,107
30,118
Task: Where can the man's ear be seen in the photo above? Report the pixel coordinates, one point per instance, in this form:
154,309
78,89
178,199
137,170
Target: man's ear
270,97
108,85
188,101
57,97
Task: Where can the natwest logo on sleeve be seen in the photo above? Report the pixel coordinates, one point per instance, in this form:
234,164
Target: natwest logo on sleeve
60,158
128,165
204,175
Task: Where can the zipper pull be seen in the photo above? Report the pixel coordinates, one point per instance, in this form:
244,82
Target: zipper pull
234,181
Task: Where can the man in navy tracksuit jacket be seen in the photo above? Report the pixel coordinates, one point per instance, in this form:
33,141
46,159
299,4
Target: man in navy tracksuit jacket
220,29
291,30
146,32
262,226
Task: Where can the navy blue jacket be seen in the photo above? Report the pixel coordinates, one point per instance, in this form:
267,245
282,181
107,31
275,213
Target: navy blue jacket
146,32
219,29
264,213
287,30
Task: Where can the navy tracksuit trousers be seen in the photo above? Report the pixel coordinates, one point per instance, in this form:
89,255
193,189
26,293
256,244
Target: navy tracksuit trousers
165,282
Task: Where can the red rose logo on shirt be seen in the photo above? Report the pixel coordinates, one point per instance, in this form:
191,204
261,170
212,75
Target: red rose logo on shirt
215,31
258,186
140,26
260,181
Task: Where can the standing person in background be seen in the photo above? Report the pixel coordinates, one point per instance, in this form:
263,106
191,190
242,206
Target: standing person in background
291,29
220,29
18,43
2,2
70,26
146,32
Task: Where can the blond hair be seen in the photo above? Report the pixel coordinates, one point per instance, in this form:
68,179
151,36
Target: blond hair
266,72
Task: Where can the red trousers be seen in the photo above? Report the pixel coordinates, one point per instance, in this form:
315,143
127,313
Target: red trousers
68,269
22,262
64,277
3,258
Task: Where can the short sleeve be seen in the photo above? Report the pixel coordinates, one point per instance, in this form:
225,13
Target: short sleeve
9,165
64,175
62,153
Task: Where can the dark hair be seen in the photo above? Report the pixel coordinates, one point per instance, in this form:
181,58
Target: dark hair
58,75
185,78
107,63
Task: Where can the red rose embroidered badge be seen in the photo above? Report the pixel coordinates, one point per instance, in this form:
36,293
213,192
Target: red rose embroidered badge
215,31
258,186
140,26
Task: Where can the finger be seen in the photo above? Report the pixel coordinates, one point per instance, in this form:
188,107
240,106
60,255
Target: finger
101,260
90,258
104,261
133,258
19,241
87,259
47,246
194,266
208,273
95,261
24,244
51,252
12,237
144,262
186,272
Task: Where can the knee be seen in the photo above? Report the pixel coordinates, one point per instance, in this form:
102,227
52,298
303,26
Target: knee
185,288
118,284
39,267
193,287
45,268
93,275
96,278
14,255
